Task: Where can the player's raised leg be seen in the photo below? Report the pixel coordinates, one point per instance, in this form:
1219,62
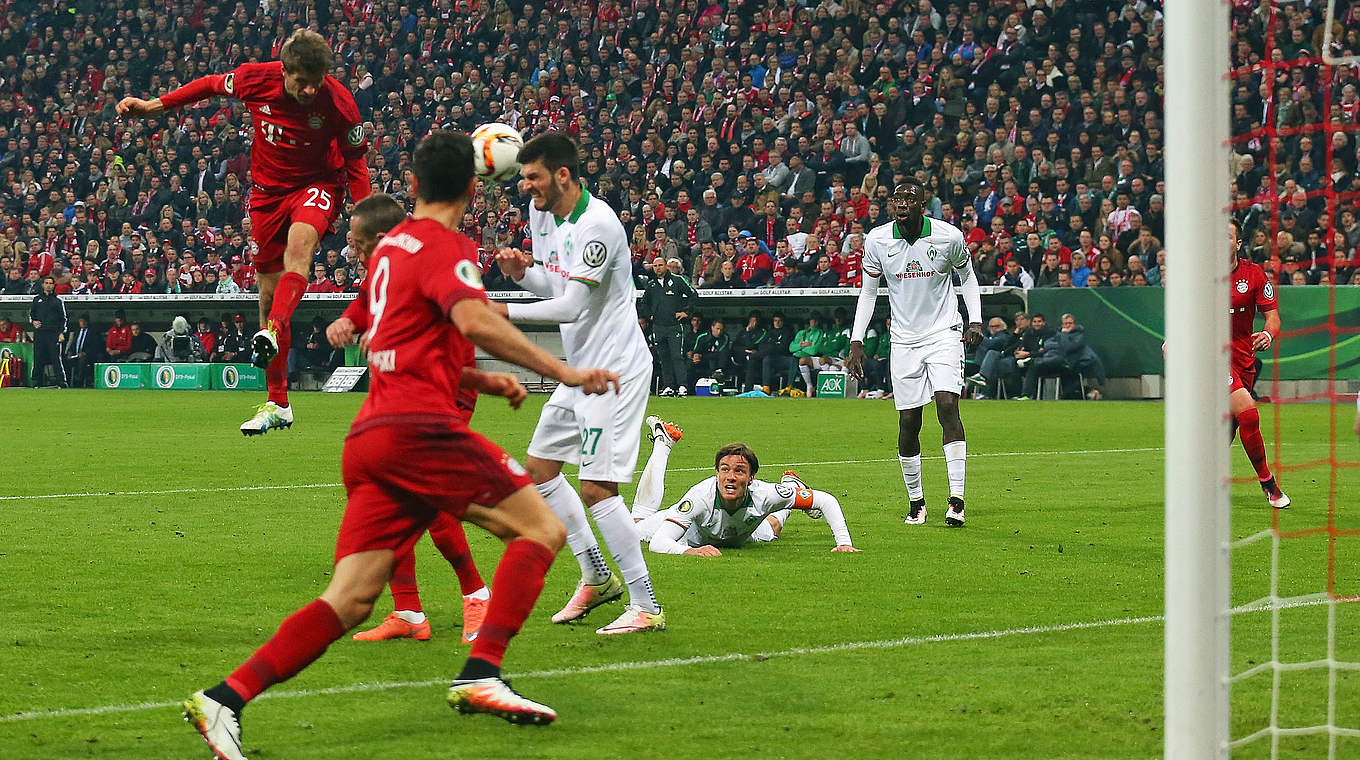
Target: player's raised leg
532,538
269,347
652,485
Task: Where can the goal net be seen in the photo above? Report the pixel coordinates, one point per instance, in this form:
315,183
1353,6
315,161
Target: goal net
1262,634
1288,683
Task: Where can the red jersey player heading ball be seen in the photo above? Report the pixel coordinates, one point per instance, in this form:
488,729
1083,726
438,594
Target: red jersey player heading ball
410,456
1251,292
308,146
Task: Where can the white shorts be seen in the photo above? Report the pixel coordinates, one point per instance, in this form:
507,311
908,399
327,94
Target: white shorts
601,434
919,371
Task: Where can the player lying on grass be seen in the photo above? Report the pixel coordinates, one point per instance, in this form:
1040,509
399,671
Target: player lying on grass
728,509
372,219
410,455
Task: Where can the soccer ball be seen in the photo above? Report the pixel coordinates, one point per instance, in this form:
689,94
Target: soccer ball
495,151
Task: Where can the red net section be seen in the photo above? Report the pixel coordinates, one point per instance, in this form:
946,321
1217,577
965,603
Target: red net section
1296,674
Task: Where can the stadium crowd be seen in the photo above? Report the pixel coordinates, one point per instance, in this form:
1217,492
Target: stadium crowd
745,147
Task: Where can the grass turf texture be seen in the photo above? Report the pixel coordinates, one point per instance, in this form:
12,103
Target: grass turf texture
124,599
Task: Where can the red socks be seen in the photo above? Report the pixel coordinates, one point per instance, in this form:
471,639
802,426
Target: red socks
1249,424
448,536
405,596
287,294
301,638
518,582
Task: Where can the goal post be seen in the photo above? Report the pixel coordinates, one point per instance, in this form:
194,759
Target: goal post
1197,601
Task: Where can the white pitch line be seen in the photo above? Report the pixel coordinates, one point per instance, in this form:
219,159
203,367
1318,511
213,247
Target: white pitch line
87,494
238,489
614,667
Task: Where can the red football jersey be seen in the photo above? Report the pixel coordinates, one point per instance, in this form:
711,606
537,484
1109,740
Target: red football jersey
417,272
357,312
295,145
1251,292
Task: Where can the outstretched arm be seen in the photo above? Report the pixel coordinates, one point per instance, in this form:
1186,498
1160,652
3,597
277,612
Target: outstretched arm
830,508
501,384
204,87
502,340
666,540
565,308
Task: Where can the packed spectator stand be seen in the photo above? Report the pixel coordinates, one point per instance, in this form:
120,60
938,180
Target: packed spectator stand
745,145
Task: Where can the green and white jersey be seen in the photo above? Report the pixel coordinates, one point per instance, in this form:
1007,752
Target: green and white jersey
701,514
590,246
917,275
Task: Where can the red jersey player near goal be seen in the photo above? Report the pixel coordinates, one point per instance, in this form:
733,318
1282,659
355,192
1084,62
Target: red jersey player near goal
410,456
374,217
308,146
1251,292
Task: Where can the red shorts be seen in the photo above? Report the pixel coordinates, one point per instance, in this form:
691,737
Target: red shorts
1241,377
399,477
270,216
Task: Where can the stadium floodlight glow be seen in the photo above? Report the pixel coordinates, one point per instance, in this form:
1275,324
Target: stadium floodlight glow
1196,667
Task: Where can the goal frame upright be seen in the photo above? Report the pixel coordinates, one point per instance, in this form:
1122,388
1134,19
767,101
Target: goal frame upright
1198,579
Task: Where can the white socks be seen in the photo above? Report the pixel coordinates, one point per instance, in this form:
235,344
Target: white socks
911,475
566,504
807,377
411,616
482,594
616,526
955,455
652,485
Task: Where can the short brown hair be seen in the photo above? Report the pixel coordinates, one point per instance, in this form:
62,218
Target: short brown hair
737,449
306,52
376,214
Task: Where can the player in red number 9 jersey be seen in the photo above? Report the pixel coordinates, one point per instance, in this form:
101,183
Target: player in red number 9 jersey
1251,292
308,147
410,456
372,218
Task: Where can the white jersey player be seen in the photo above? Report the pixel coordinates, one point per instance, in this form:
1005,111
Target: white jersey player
919,258
582,265
728,509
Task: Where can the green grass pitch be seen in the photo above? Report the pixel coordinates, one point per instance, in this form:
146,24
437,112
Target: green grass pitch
1034,632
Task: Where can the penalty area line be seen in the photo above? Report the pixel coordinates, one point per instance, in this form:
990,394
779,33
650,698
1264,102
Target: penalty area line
616,667
243,489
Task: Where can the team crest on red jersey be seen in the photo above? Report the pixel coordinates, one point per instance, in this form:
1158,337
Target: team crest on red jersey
1242,286
315,121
